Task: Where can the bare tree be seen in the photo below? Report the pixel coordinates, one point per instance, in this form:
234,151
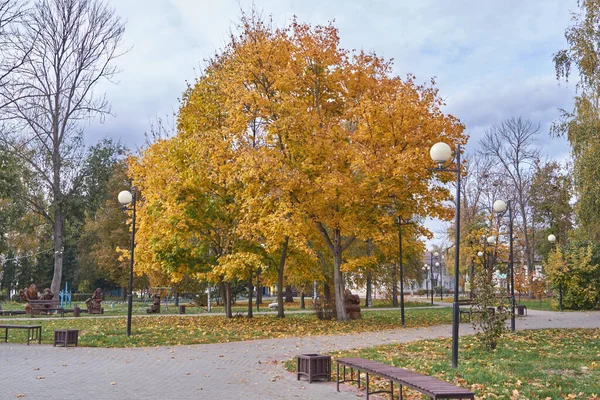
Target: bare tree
11,18
511,145
68,46
475,186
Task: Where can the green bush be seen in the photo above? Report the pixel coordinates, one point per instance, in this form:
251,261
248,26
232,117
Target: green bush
575,268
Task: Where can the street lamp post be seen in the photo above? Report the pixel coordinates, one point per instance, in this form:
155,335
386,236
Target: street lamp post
441,153
441,283
552,240
400,223
431,257
425,269
502,207
125,198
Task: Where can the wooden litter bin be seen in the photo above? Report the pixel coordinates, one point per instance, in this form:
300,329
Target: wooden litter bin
313,366
66,337
181,309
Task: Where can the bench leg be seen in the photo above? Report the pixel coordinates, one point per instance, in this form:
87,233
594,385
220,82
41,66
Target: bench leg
5,335
337,375
400,396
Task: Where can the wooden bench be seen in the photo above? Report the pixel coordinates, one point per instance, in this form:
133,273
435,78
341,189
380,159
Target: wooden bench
46,306
34,332
12,312
432,387
465,311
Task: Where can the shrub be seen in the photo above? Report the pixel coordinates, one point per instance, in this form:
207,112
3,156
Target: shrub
489,313
576,269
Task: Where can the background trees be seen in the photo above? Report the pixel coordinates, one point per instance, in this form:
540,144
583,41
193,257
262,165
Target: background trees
66,47
581,125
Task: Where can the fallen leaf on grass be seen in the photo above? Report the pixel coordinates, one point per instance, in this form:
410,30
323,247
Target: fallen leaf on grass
40,377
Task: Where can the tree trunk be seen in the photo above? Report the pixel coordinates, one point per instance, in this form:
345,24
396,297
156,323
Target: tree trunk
176,299
250,287
222,292
369,295
258,291
123,294
302,306
528,254
58,249
336,247
289,295
284,247
327,293
394,285
338,278
227,300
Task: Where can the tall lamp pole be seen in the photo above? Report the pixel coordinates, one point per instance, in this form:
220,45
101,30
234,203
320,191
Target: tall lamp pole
425,268
441,280
441,153
552,240
400,223
125,198
432,255
501,207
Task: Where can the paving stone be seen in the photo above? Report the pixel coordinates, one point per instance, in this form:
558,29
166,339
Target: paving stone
226,370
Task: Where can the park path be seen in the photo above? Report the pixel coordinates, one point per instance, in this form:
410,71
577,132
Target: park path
241,370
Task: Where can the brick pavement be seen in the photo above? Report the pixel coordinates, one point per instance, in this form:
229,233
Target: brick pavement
230,370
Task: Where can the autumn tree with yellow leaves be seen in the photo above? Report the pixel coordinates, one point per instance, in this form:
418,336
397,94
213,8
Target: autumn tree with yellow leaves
286,136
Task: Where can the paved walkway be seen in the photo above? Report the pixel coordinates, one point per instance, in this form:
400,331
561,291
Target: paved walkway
221,371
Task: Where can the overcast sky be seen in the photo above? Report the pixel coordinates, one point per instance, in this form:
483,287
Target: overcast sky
492,59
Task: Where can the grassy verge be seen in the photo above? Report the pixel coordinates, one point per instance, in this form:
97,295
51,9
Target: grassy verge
139,308
547,304
539,364
182,330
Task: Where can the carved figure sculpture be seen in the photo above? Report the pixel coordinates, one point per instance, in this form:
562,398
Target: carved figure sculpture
352,302
94,303
31,293
155,307
47,295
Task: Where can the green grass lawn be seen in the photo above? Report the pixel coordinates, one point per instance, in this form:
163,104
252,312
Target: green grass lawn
537,364
139,307
545,304
178,330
